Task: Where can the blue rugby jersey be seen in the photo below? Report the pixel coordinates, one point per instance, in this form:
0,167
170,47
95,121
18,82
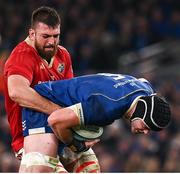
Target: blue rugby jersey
104,97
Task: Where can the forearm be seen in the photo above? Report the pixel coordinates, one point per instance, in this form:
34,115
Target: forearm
61,121
31,99
76,145
65,135
20,92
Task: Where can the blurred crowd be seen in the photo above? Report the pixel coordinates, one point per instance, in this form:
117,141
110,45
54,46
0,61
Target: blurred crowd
97,33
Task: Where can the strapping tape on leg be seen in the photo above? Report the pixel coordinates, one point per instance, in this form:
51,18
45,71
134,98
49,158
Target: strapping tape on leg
60,168
36,159
81,162
87,162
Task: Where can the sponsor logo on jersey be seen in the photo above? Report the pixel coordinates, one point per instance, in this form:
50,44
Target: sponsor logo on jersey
60,68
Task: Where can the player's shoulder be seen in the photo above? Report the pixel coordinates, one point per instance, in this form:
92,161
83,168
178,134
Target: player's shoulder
23,47
21,51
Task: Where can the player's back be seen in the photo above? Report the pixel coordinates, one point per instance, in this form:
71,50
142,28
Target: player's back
106,96
114,86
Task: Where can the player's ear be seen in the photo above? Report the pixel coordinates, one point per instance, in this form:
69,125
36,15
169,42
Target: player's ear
31,34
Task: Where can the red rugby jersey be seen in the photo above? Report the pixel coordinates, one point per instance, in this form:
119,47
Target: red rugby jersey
24,60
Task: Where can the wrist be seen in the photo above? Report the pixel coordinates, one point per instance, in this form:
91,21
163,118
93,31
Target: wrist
77,146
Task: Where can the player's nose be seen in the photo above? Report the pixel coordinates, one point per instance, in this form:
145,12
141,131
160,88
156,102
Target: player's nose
51,40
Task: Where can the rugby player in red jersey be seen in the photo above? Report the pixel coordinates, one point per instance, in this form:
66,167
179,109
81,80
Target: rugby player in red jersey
37,59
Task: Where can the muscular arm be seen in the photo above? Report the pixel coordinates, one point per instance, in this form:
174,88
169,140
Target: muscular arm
61,121
20,91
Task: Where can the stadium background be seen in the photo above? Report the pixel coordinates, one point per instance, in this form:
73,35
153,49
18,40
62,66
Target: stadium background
141,38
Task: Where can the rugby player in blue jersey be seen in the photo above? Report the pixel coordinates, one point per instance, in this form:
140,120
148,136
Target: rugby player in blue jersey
99,100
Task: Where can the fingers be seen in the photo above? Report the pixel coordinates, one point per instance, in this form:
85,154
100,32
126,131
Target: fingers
91,143
141,131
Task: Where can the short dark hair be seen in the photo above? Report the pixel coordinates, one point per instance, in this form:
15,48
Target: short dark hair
46,15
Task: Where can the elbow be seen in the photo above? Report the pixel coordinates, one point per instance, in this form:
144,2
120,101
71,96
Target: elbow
52,120
63,119
56,120
15,95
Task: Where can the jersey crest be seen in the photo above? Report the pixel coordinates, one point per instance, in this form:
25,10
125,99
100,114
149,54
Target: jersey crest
60,68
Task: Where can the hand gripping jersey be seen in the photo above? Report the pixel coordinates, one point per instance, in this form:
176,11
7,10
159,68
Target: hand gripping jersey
104,97
24,60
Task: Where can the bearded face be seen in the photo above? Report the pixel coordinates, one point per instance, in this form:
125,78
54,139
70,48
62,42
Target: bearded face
46,40
46,51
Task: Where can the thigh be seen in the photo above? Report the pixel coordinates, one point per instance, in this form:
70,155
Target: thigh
38,135
45,143
40,153
40,143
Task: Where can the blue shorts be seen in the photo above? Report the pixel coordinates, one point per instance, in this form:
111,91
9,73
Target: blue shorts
34,122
